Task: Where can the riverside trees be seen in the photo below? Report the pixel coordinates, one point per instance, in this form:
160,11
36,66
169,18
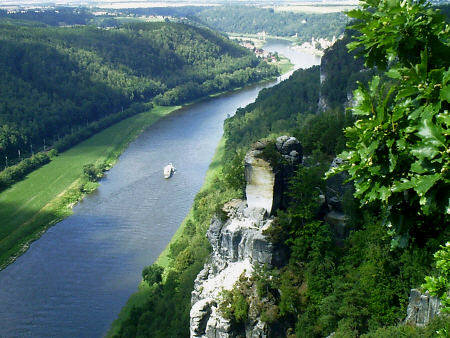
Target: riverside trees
56,80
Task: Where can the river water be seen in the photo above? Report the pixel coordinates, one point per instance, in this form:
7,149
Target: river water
74,280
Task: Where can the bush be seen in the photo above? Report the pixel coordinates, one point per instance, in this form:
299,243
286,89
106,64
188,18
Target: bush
92,172
152,274
15,173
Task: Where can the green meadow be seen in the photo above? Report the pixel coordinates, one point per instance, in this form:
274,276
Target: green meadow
46,195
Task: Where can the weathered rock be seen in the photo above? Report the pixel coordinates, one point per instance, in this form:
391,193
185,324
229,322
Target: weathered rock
265,184
336,187
422,308
237,244
290,145
260,179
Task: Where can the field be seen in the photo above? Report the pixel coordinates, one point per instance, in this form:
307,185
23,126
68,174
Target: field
45,197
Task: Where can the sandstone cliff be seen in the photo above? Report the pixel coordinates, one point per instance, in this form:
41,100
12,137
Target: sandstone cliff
238,242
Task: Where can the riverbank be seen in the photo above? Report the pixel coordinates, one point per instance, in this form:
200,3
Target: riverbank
211,198
259,41
33,205
47,195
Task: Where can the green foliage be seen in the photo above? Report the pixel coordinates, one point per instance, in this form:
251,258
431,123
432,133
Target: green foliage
398,149
276,111
152,274
439,284
234,305
400,30
324,131
304,191
248,19
271,154
52,17
233,170
15,173
92,172
439,327
55,81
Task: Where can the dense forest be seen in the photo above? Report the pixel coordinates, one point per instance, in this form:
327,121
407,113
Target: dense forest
252,20
56,80
395,141
61,16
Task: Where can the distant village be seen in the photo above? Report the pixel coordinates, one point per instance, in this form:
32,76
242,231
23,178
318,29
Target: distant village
317,46
259,52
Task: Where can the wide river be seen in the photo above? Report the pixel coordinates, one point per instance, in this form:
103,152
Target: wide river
74,280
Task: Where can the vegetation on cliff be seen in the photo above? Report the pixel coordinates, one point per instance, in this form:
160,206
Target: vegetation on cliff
361,285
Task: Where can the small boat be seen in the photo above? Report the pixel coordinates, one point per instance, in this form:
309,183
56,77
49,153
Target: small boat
169,170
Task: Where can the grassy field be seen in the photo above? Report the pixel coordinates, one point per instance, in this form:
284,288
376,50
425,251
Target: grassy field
45,197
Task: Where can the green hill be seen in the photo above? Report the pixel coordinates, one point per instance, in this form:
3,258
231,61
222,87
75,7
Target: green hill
55,80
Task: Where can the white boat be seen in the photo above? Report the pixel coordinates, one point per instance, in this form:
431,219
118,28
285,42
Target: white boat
169,170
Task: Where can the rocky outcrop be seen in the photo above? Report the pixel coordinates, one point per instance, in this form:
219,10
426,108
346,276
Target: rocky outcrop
238,242
335,188
422,308
266,182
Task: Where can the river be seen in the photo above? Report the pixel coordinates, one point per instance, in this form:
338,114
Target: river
74,280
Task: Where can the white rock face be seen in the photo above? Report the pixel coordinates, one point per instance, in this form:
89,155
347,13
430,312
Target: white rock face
260,182
422,308
265,184
237,244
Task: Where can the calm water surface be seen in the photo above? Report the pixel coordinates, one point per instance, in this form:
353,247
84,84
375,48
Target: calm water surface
74,280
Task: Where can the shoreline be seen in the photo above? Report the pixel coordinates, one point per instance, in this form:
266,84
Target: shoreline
61,206
143,289
261,40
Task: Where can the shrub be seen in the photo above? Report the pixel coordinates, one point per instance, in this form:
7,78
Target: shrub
15,173
152,274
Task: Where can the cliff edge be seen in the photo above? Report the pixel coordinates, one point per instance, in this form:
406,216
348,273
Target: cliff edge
237,238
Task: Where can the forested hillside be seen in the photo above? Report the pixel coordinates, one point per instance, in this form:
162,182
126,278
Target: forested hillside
55,80
252,20
352,279
54,17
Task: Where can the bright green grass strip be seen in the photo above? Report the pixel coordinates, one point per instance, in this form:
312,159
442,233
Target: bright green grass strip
284,65
44,197
140,297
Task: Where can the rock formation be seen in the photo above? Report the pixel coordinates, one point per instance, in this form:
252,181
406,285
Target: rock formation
266,183
336,187
238,241
422,308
